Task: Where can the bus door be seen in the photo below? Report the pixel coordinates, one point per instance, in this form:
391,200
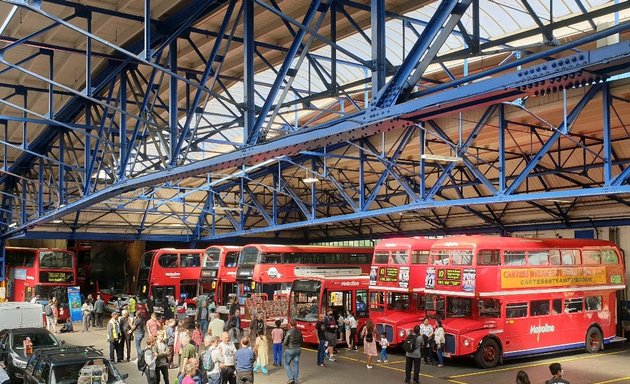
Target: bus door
160,292
337,300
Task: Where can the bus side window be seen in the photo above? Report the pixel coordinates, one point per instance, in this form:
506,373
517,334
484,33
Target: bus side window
489,257
539,308
515,310
514,257
573,305
592,257
539,257
593,303
556,306
554,257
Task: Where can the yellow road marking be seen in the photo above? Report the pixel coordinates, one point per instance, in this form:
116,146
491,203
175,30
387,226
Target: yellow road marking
456,382
614,380
338,356
485,372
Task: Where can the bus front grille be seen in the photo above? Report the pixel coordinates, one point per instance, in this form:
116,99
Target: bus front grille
387,329
449,345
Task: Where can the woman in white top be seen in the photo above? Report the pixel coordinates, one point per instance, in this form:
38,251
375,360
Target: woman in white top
439,342
351,330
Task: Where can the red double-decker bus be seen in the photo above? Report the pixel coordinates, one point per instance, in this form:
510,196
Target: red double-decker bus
397,285
170,272
508,297
264,268
311,297
218,273
38,271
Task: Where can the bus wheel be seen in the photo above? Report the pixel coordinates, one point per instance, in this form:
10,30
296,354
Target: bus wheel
594,340
488,354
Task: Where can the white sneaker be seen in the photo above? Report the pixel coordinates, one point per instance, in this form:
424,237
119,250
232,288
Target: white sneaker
369,366
332,359
378,361
386,361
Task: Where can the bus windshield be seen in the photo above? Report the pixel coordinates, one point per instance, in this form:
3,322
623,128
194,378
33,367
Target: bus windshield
248,256
458,306
55,260
212,258
434,305
304,300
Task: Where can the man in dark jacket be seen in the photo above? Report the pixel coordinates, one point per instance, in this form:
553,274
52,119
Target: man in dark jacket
557,372
99,309
413,358
292,350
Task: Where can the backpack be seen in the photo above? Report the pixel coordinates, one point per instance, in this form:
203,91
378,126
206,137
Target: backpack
409,345
142,363
206,361
48,310
369,337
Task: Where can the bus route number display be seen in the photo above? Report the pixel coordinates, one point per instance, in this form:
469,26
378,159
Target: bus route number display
56,277
388,275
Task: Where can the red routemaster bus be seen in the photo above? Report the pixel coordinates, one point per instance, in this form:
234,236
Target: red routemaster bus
218,273
269,268
314,296
38,271
170,272
507,297
397,285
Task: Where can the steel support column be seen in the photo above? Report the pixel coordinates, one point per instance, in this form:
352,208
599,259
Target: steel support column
378,45
248,72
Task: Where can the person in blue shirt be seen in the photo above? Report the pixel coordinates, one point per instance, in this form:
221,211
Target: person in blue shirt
244,362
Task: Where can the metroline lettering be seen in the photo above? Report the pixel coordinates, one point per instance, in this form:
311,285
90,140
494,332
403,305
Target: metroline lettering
538,329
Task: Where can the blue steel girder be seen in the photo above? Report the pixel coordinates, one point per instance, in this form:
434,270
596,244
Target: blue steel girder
445,18
416,115
73,108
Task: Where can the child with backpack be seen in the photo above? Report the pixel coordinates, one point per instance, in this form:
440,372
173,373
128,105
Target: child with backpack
146,360
384,343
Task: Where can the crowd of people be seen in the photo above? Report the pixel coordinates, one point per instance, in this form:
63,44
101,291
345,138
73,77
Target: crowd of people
208,349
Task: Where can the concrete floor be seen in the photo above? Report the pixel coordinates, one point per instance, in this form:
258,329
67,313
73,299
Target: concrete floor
610,366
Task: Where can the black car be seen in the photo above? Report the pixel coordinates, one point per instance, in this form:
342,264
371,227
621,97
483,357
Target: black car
12,348
71,365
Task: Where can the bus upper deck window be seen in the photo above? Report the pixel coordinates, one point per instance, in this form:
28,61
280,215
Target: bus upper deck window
381,257
514,257
419,257
538,257
609,256
592,257
489,257
570,257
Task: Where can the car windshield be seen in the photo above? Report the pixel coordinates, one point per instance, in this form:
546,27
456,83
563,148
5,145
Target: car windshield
39,339
94,371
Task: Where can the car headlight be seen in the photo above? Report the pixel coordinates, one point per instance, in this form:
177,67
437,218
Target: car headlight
402,333
466,342
19,363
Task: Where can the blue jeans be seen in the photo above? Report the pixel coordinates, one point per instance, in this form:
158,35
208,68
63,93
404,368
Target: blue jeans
203,324
440,356
277,353
321,351
292,356
383,354
138,339
215,378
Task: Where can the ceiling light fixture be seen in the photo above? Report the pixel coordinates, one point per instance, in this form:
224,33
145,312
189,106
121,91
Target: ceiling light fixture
440,158
310,180
57,221
12,225
560,201
227,209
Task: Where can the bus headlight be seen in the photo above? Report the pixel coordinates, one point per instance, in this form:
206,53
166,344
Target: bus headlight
402,333
466,343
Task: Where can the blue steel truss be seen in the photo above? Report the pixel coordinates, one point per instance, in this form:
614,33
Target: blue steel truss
130,141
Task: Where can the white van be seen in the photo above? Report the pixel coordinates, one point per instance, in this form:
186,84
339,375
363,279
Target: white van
21,315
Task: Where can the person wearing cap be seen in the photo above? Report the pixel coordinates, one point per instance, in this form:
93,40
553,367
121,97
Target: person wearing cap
114,337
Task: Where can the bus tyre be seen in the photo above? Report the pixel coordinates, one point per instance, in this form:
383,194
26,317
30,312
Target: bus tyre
488,354
594,340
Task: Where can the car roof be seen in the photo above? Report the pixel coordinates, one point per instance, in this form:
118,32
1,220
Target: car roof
68,354
27,331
